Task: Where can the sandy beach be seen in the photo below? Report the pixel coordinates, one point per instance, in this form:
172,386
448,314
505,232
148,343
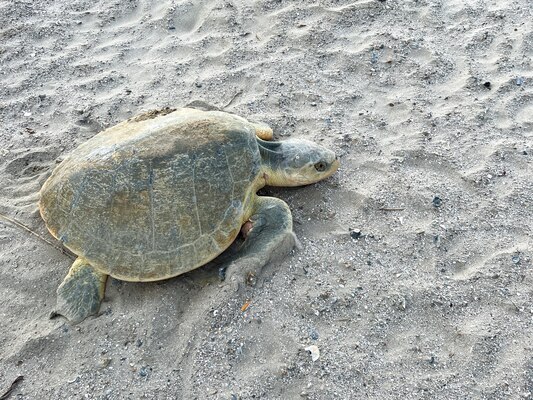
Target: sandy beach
414,275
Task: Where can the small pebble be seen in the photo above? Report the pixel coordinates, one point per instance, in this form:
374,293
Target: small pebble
315,352
437,201
313,333
516,259
519,81
487,85
355,233
104,362
143,372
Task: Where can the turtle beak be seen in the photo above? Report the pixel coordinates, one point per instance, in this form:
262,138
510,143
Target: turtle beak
336,164
333,168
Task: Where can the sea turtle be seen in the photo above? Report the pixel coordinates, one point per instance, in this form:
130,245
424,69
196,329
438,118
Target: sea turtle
168,191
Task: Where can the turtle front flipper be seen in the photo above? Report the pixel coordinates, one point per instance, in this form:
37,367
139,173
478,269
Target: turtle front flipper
268,237
81,292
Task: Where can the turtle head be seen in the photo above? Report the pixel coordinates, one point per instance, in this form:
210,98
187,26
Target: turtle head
296,162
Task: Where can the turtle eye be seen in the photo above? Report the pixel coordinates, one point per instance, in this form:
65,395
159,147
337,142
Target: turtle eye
320,166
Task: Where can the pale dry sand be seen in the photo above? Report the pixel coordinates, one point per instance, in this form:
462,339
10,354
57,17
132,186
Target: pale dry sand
432,301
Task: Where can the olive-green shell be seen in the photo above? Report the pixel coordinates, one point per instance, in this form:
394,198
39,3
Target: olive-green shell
157,195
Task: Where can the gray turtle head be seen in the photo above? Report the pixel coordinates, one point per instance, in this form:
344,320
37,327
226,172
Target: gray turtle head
296,162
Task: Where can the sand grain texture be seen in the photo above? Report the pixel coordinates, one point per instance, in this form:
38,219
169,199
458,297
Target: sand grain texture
422,99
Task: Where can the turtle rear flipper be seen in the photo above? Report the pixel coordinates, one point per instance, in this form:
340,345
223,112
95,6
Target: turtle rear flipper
80,293
268,237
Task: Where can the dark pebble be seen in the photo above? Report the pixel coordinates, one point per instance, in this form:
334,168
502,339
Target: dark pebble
313,333
487,85
139,343
355,233
222,272
437,201
143,372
